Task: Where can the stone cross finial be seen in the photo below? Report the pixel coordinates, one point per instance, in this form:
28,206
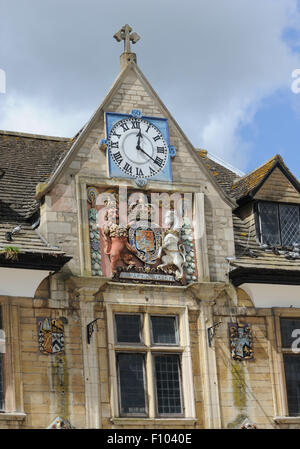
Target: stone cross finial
125,34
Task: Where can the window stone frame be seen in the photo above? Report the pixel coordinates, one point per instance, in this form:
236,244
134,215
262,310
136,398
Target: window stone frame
183,349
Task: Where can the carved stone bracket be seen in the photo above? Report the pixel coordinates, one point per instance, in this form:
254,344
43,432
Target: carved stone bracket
207,291
86,287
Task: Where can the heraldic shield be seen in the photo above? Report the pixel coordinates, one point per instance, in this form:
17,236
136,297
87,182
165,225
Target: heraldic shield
51,336
146,239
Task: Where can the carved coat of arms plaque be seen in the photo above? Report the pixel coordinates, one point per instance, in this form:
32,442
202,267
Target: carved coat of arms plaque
50,336
146,239
241,342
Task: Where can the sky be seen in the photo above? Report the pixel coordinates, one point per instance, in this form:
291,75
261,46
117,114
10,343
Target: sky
223,68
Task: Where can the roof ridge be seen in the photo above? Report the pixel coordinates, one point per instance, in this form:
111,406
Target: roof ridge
273,158
34,136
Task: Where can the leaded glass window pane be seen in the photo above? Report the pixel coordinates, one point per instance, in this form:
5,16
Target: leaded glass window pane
292,376
164,330
288,326
132,384
268,213
289,224
128,328
167,372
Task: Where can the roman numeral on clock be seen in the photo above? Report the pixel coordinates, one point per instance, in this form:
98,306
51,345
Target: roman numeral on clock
114,144
135,124
124,126
118,157
158,161
160,149
128,168
152,172
139,171
117,135
156,137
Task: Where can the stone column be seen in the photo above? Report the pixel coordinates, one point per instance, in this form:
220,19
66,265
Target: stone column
212,416
206,293
86,288
200,237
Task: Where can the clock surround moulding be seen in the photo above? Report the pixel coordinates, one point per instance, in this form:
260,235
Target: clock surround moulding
138,147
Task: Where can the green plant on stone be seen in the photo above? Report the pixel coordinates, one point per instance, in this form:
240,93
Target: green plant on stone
10,252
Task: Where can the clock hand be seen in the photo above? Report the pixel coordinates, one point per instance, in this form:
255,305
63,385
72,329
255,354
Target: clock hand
141,149
139,135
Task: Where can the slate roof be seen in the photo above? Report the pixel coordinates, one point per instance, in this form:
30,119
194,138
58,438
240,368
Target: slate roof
25,161
238,187
32,250
224,177
27,240
251,182
251,254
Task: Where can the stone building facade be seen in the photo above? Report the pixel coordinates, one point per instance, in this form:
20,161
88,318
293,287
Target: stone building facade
88,346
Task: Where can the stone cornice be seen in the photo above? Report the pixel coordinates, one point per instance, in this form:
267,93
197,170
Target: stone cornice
182,187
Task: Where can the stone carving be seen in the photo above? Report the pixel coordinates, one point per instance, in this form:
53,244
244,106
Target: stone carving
141,246
187,240
51,336
60,423
241,343
115,235
174,253
146,240
94,233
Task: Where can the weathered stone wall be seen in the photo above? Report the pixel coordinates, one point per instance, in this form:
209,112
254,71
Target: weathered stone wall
78,385
57,385
220,241
245,386
52,385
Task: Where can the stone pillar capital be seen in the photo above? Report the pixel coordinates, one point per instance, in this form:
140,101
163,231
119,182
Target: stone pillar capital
86,287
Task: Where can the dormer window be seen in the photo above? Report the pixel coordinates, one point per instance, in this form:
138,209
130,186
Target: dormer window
279,224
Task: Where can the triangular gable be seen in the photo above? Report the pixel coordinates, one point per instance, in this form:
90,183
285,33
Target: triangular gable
271,176
278,187
105,106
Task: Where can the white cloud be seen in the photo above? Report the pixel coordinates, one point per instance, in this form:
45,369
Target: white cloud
212,62
39,117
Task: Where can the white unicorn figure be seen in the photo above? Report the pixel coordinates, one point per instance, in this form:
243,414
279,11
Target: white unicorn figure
174,253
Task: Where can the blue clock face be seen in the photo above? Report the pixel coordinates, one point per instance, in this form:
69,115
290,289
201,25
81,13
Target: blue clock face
138,148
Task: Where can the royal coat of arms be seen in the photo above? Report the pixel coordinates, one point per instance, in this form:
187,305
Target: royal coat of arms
51,336
146,239
241,343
